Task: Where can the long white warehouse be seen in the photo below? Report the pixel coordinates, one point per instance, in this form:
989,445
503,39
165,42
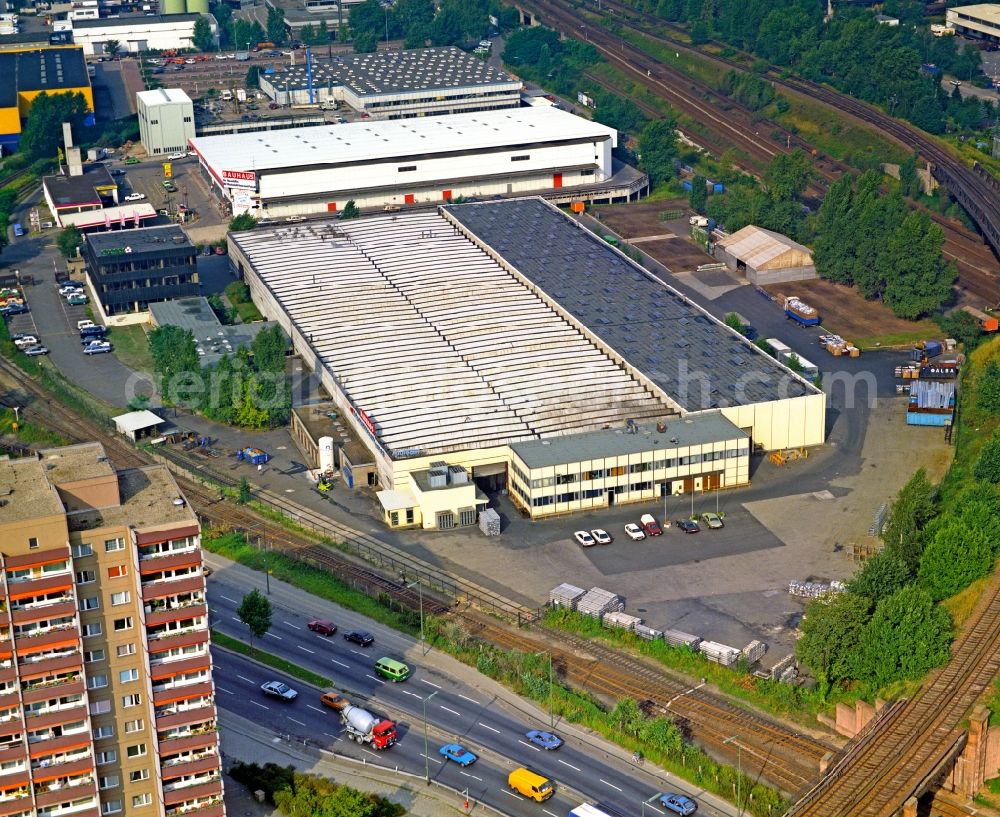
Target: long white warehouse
303,171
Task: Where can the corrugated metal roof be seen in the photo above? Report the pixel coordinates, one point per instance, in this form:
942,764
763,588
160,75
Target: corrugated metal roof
756,246
931,394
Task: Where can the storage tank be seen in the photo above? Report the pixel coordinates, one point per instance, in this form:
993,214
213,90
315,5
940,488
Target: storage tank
360,719
173,7
326,454
197,6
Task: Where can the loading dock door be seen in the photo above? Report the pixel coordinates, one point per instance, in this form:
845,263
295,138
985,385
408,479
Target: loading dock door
491,478
557,180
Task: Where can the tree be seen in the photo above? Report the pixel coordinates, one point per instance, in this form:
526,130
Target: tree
313,796
787,175
244,496
252,79
255,612
987,467
112,47
627,717
698,196
42,132
913,508
68,241
365,43
246,34
176,363
350,210
831,630
663,734
244,221
269,347
880,576
963,327
658,146
202,35
138,403
909,181
908,635
917,280
276,30
954,558
733,321
988,386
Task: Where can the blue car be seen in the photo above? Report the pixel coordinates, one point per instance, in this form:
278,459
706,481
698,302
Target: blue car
461,755
678,803
544,739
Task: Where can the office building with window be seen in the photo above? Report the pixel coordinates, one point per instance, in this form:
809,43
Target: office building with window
106,694
166,121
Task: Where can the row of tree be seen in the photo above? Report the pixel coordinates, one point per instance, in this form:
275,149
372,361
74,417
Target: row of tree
421,22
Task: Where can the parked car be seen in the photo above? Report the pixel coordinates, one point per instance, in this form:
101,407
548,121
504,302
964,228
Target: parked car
360,637
688,525
602,537
457,753
135,197
544,739
220,250
86,323
131,160
97,347
276,689
322,626
13,309
678,803
273,106
31,351
118,171
650,525
635,533
584,538
712,520
25,341
76,300
159,70
173,157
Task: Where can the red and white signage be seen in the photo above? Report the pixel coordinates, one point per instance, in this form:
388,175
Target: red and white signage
240,178
365,419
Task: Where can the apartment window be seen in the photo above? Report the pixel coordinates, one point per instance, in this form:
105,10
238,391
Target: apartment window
114,544
110,781
111,807
117,599
136,750
92,629
101,732
109,756
85,576
142,800
54,567
79,551
128,701
123,624
127,675
133,726
89,603
97,681
137,775
91,656
32,542
522,158
117,571
125,649
406,168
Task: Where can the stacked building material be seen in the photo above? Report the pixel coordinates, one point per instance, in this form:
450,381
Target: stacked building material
720,653
596,602
813,590
566,595
754,651
489,522
782,666
676,638
621,620
648,633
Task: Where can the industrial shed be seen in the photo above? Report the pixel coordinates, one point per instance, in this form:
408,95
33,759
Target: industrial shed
765,257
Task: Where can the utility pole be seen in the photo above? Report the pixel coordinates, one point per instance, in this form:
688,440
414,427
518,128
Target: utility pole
739,773
420,591
427,760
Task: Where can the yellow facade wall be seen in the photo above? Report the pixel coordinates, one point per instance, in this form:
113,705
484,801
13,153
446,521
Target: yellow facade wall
25,98
797,422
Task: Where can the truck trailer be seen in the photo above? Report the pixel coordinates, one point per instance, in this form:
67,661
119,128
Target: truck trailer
801,312
365,728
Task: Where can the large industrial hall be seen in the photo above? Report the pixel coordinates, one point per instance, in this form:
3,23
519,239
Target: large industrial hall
501,343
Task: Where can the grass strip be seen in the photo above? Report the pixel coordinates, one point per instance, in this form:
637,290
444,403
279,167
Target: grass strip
280,664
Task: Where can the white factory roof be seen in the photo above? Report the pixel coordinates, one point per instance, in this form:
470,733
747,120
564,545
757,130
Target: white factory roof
136,421
759,248
161,96
372,140
987,12
440,345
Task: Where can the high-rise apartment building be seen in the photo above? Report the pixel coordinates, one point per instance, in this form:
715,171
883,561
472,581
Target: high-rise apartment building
106,694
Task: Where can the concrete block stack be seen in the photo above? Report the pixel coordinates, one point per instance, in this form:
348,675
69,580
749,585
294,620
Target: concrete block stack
566,595
676,638
719,653
621,620
596,602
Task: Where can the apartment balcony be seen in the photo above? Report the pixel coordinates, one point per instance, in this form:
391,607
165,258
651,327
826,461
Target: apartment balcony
11,726
188,743
171,771
50,665
15,805
7,672
55,688
45,771
170,561
40,586
66,793
213,808
172,587
185,717
57,637
186,638
37,558
85,810
179,666
179,794
63,743
15,779
164,615
182,692
12,752
55,717
50,609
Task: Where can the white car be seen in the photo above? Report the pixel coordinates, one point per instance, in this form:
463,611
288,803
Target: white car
635,533
602,537
220,56
98,347
25,341
86,323
135,197
583,538
173,157
70,289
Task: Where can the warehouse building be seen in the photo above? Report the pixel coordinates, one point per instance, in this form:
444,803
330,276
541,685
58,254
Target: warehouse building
500,345
765,257
313,170
136,34
28,73
980,21
166,120
397,84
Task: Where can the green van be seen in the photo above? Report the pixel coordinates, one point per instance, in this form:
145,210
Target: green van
392,669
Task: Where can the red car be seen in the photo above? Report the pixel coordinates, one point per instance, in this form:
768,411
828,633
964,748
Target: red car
322,626
650,525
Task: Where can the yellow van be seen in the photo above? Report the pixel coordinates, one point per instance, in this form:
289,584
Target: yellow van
392,669
529,784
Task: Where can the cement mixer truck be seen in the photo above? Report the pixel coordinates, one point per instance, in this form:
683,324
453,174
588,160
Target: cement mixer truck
364,727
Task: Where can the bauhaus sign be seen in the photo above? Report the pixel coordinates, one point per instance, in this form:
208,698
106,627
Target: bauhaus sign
240,178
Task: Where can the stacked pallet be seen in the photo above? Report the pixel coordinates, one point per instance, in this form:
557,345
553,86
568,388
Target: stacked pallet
648,633
621,620
676,638
566,595
813,590
838,347
720,653
754,651
596,602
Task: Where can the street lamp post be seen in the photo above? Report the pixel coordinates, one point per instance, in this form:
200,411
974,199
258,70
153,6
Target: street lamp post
420,592
739,773
552,712
427,759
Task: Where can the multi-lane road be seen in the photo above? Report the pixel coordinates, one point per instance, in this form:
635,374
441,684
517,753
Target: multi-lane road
491,725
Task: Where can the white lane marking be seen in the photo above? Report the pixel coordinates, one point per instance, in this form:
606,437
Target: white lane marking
234,618
357,652
412,695
296,626
331,736
213,610
460,695
506,791
529,746
304,649
369,753
489,727
313,708
229,599
223,689
471,775
295,721
433,759
243,677
341,663
260,705
374,678
564,763
429,683
548,812
446,709
606,783
274,636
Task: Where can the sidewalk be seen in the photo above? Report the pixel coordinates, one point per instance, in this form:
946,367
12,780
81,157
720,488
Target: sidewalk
244,740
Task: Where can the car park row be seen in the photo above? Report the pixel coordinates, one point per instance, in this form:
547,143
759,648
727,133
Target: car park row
648,526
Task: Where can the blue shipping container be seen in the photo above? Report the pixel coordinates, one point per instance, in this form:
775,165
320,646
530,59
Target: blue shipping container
919,418
718,187
686,185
